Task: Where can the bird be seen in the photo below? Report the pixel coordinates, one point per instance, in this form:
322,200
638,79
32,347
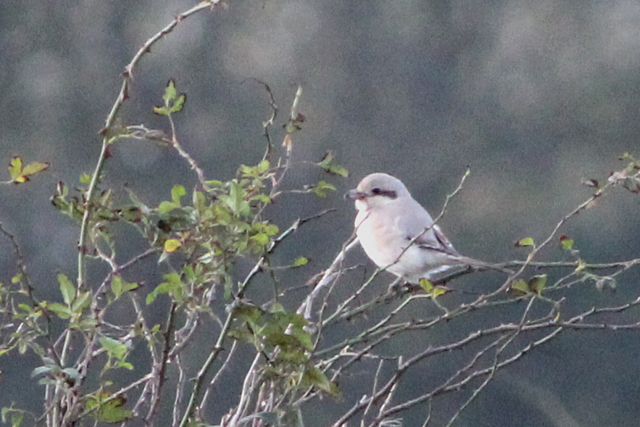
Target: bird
400,236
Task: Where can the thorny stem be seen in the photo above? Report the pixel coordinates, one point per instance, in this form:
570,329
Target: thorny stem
200,377
160,370
107,139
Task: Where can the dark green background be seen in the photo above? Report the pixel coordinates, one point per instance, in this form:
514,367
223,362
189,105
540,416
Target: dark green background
533,96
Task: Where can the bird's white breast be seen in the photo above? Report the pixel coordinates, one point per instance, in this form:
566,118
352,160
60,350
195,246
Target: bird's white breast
385,232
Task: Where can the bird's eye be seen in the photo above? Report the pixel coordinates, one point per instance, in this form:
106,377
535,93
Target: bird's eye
376,191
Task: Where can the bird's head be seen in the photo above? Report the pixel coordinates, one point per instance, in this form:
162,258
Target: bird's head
377,189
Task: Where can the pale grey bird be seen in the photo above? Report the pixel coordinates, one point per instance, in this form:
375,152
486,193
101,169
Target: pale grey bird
398,234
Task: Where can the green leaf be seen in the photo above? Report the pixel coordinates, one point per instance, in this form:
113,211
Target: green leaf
176,193
131,214
300,261
20,173
125,365
263,166
437,291
271,229
315,377
161,111
14,415
72,373
426,285
199,200
260,238
235,199
304,337
110,412
170,92
179,102
34,168
431,289
114,348
119,286
173,102
321,188
42,370
82,301
527,241
172,286
567,244
280,339
15,169
329,166
16,419
338,170
113,413
537,283
520,287
67,289
116,286
166,207
262,198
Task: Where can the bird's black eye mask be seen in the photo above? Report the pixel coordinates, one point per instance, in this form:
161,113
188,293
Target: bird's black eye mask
388,193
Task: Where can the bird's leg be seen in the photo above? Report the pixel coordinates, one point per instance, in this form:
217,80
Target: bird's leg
396,286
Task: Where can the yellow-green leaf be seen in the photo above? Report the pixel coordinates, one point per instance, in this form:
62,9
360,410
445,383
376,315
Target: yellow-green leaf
520,287
15,168
176,193
263,166
169,92
300,262
260,238
527,241
537,283
162,111
437,291
20,173
165,207
426,285
171,245
34,168
566,243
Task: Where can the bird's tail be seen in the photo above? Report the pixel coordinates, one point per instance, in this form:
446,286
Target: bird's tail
481,265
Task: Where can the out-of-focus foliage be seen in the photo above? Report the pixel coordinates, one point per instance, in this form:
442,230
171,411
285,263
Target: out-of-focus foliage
535,96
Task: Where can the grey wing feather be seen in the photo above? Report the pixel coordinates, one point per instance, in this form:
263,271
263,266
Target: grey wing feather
435,239
413,225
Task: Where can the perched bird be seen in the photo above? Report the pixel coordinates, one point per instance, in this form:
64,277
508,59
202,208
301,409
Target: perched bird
398,234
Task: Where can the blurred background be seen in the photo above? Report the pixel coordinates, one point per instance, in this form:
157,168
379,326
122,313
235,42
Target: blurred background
534,97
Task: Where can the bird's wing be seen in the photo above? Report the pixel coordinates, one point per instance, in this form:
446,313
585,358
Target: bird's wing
416,221
434,239
446,244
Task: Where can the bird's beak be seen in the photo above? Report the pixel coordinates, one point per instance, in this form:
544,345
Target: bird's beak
355,195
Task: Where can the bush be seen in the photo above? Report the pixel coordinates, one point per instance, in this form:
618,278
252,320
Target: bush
223,339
